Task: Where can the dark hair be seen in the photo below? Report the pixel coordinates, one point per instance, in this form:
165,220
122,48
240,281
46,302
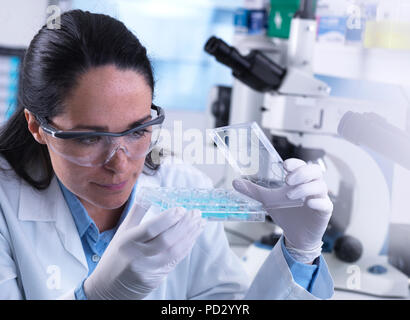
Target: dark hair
51,66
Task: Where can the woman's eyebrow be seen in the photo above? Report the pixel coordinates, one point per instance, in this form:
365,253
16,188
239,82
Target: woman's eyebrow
105,128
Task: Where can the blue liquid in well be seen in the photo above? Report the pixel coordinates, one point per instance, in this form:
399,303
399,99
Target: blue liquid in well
226,216
211,208
215,204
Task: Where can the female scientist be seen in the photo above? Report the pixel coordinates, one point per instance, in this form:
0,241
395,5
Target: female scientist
74,155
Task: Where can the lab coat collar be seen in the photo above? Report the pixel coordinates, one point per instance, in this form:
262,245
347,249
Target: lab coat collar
39,205
49,205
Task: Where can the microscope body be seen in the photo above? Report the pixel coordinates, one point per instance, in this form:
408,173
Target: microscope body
299,112
357,186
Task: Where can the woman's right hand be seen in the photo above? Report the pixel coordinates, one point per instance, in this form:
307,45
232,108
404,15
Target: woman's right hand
140,256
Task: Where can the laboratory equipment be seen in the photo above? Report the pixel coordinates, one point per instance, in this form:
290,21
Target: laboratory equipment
280,17
374,132
291,103
218,105
251,154
251,18
215,204
10,65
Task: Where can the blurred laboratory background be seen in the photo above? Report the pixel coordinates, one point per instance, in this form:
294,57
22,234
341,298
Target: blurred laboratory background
332,57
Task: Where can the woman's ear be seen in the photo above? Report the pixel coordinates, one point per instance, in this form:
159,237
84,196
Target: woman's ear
34,127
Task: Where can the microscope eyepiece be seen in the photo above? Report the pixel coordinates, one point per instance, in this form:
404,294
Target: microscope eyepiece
213,44
226,54
255,70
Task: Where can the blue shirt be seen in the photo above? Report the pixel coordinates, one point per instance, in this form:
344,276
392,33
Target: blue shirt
303,274
94,243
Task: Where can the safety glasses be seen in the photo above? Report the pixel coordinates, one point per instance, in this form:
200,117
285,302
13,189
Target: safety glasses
96,148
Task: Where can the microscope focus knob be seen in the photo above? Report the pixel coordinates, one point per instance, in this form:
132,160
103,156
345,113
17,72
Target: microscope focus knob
348,248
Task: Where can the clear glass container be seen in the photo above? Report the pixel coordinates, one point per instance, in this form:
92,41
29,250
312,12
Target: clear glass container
253,157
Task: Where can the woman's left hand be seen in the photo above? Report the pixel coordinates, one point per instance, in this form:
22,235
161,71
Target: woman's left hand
303,227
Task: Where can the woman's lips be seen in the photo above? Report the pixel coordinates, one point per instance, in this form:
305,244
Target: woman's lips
113,186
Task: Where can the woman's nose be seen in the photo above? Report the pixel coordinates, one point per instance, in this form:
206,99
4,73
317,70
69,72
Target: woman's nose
118,159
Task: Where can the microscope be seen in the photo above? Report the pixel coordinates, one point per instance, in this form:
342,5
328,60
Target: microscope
295,108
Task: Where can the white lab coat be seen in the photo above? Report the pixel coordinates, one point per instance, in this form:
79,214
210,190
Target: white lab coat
41,255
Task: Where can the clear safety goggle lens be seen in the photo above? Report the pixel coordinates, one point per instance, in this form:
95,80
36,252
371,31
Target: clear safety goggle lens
98,150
